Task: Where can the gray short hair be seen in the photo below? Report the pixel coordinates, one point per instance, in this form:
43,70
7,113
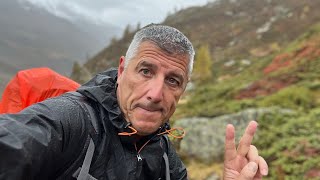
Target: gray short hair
167,38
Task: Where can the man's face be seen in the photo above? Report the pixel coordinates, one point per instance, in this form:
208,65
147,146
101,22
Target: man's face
150,87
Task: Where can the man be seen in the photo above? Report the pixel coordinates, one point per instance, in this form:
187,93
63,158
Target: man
125,112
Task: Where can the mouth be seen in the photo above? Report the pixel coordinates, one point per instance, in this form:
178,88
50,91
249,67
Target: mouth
149,108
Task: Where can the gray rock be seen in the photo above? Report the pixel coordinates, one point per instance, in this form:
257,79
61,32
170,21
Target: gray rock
213,177
204,138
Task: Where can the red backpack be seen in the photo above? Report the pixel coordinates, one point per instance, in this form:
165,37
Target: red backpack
33,85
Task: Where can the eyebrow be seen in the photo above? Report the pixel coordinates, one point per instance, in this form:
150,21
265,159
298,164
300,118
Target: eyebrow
146,64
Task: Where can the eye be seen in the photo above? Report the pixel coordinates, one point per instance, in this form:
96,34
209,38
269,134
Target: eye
145,72
173,82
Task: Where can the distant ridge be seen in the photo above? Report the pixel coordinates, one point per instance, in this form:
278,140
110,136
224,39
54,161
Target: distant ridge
32,37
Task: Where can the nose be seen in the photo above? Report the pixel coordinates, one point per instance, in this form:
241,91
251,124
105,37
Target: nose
155,92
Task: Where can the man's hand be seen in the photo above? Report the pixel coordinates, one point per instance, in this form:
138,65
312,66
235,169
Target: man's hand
243,163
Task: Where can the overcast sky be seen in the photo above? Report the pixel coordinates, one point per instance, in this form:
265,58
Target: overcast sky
117,12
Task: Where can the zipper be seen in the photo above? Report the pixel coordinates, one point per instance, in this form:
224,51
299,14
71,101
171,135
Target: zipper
139,150
139,165
139,157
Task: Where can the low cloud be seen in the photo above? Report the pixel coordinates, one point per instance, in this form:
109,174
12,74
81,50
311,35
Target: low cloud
118,13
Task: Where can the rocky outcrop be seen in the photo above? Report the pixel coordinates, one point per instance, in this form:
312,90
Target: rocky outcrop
204,140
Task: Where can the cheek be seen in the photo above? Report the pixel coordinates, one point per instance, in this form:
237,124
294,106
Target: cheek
131,90
128,89
171,102
125,91
176,95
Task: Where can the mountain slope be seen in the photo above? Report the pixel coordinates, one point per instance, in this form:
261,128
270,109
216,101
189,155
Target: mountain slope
234,30
32,37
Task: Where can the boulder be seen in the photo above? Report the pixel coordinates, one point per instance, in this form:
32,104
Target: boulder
205,136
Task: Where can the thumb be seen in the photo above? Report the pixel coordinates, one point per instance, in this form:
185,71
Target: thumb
248,171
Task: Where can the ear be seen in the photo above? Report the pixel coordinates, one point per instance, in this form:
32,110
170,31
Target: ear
121,66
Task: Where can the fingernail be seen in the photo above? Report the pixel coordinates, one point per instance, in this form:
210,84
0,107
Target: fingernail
264,172
253,166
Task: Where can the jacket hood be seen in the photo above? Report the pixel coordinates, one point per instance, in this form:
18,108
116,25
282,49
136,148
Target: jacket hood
102,90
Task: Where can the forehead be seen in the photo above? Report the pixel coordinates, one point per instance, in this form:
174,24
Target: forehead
150,52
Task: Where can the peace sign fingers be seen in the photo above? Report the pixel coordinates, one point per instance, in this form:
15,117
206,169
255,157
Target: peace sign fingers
246,139
230,145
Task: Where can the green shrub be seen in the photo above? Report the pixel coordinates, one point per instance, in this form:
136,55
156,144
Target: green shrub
293,97
239,105
290,144
207,100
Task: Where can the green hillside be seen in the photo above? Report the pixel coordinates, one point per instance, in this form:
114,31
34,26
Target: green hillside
290,74
290,80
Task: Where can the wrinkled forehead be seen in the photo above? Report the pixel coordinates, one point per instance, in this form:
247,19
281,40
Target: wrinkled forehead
169,49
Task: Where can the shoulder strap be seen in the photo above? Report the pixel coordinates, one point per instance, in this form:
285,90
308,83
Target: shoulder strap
83,172
166,161
165,157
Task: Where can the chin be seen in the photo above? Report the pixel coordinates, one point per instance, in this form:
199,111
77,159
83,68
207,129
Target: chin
146,130
143,133
146,125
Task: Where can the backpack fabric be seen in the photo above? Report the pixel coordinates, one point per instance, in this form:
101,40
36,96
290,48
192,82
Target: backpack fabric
34,85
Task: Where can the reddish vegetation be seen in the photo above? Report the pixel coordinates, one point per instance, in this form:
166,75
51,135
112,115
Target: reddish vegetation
305,51
279,62
270,85
308,150
309,51
266,86
312,173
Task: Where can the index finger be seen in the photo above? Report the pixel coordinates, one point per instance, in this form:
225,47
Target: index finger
230,145
246,139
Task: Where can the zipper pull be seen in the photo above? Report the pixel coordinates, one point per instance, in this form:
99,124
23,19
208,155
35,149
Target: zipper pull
139,157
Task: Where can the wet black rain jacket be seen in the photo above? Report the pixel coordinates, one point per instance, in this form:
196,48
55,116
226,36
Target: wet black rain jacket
49,140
